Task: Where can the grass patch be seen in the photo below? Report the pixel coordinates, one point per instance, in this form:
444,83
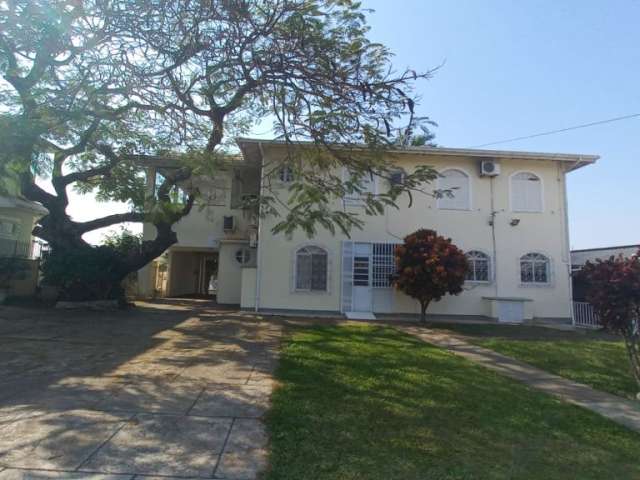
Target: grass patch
593,358
363,402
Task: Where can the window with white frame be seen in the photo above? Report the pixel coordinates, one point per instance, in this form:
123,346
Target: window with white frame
479,266
367,185
311,265
535,268
455,187
383,264
526,192
285,174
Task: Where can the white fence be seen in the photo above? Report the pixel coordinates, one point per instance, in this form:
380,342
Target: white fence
584,315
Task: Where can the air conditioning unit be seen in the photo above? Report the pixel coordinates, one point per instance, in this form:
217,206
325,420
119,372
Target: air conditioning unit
228,224
489,168
397,177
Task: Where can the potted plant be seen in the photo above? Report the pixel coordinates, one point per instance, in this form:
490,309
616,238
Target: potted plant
11,269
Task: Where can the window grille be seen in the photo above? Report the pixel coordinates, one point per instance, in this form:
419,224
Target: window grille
534,269
384,264
311,269
479,267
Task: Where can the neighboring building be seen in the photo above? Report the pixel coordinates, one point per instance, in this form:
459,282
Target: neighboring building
511,220
580,257
17,219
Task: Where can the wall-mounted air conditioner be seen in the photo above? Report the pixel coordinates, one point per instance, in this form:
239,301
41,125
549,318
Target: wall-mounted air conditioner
228,224
489,168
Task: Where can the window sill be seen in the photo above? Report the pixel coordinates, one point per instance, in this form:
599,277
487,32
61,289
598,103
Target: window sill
311,292
454,209
536,285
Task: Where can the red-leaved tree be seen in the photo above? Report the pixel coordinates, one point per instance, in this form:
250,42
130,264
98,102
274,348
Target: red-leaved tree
428,267
612,286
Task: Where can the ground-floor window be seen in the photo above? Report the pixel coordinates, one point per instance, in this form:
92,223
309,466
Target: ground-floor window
311,269
479,266
534,269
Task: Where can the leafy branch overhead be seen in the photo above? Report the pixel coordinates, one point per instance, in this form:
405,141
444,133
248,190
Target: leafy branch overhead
90,89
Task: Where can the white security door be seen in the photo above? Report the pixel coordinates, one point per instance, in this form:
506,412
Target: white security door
362,293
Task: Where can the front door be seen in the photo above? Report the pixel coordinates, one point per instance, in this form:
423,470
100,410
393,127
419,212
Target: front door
362,294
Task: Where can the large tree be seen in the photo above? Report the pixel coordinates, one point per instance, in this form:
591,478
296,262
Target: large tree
612,286
428,267
88,88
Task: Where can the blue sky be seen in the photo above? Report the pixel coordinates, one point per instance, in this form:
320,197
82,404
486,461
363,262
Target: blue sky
518,68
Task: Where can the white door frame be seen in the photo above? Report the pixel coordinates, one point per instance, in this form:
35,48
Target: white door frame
362,300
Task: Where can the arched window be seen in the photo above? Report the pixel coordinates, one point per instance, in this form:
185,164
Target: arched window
479,266
455,187
534,269
311,269
526,192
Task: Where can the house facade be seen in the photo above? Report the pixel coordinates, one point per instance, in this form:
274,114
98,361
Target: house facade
17,219
507,211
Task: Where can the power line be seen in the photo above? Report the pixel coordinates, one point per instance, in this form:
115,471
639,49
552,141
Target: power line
551,132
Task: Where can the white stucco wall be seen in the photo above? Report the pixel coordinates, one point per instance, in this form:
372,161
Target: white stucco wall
202,229
248,289
229,273
543,232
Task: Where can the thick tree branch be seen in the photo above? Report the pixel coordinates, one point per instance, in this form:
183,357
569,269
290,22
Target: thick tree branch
84,175
109,220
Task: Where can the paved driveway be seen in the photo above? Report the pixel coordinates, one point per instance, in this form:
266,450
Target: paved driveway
168,390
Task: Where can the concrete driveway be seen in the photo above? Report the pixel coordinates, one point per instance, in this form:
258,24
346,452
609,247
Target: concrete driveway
174,389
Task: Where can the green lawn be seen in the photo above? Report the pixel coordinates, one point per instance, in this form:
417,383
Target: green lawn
363,402
592,358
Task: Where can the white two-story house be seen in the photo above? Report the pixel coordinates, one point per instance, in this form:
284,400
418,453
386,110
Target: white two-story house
508,212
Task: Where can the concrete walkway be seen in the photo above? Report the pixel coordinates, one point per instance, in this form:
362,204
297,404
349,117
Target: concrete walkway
622,411
173,390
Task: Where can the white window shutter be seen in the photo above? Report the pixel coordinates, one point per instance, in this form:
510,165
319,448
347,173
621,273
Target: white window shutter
347,276
526,193
457,182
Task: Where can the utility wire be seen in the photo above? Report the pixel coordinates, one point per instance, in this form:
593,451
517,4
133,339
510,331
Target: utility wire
551,132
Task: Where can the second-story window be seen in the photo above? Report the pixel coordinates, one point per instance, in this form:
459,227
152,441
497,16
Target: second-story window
366,185
285,174
526,192
455,187
176,194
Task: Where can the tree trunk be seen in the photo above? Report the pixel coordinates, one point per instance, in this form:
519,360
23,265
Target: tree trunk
424,304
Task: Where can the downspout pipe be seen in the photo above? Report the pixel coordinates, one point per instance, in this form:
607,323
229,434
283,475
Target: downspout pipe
258,249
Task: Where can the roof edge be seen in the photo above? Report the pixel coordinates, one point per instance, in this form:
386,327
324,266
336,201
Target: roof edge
580,159
597,249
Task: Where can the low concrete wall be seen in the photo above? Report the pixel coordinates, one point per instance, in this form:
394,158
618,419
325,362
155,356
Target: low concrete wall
248,288
26,287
